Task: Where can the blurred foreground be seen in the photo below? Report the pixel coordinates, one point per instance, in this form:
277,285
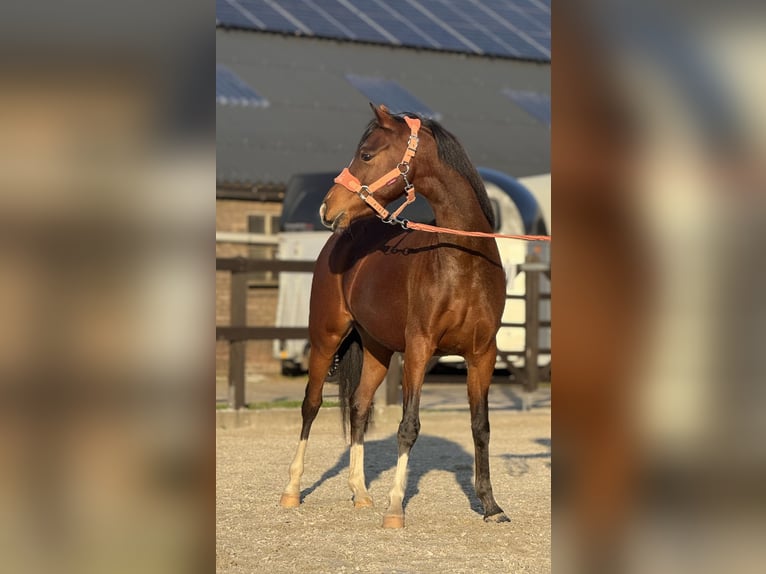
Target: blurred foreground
106,226
658,144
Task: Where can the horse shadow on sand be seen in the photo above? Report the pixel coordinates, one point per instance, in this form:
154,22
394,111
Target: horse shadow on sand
518,464
429,453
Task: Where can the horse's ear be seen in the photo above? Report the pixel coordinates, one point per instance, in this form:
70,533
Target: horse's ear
382,114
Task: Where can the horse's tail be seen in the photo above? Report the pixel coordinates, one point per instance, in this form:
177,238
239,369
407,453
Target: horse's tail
350,358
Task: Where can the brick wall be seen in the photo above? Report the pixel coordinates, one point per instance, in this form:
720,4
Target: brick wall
232,215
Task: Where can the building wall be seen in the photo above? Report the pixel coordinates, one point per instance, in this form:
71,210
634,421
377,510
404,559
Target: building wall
232,215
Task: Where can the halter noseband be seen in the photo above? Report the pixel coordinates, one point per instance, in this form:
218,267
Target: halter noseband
365,192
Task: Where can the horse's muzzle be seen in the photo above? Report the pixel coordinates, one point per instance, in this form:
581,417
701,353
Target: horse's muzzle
330,224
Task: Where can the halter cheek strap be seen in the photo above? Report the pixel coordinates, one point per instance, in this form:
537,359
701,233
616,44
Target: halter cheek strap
365,192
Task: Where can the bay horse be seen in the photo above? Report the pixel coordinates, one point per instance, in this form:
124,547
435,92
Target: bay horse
398,290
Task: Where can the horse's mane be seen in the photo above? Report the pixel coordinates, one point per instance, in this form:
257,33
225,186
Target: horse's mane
451,152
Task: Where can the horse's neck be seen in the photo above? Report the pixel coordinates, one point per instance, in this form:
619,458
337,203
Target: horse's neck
455,205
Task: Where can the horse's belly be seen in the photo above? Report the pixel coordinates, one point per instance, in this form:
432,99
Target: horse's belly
387,329
380,310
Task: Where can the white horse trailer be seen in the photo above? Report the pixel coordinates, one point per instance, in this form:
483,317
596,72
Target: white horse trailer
521,207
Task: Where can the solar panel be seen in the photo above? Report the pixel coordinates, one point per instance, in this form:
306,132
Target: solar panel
320,21
230,90
394,96
481,30
521,19
535,104
354,19
388,14
435,26
507,28
228,14
274,18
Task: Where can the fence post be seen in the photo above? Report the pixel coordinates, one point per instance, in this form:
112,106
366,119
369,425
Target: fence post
532,323
394,380
237,349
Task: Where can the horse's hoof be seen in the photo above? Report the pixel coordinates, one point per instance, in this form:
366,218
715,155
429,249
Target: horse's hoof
363,503
290,500
393,521
497,518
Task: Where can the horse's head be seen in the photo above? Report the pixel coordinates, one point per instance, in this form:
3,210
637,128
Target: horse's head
378,174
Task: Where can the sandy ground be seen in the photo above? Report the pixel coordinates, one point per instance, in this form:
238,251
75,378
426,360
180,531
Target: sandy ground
444,530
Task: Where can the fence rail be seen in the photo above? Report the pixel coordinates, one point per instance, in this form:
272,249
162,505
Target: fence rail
245,265
237,333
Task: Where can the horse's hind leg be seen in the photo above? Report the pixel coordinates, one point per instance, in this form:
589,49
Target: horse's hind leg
480,371
319,364
374,370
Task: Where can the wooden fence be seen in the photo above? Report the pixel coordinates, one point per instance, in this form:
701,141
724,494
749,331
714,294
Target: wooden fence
237,333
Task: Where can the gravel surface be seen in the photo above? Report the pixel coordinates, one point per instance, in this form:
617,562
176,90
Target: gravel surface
444,530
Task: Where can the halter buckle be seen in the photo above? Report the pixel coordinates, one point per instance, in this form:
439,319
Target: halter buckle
364,193
405,170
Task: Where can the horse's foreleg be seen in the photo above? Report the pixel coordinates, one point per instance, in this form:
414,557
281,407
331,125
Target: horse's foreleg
373,371
480,371
319,364
415,360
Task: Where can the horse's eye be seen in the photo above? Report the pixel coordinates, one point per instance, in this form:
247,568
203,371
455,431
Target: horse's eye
365,156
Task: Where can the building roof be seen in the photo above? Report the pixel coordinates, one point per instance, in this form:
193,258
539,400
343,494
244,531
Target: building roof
518,29
292,104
